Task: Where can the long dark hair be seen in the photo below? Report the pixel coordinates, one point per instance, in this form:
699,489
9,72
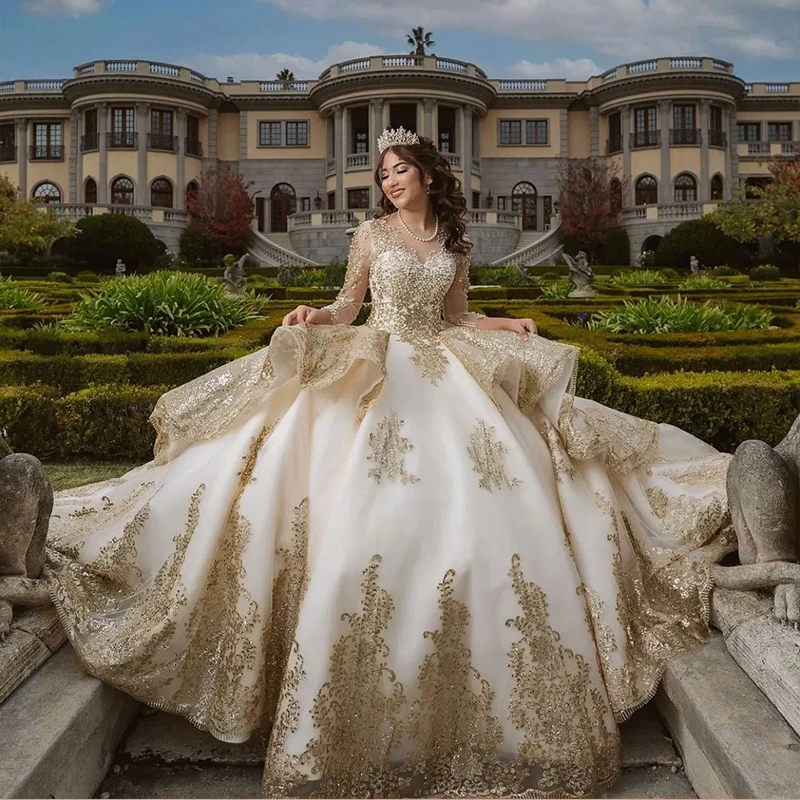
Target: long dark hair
447,199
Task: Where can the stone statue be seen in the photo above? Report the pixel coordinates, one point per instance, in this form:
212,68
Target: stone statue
26,502
694,265
233,278
580,275
764,496
119,270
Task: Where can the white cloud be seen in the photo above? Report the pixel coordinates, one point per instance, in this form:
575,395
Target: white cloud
65,8
265,66
579,69
621,30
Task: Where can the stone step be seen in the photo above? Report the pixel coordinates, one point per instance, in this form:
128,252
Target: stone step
165,756
733,741
59,731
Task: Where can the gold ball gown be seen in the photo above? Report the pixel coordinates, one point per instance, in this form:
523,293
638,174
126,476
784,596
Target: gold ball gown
404,553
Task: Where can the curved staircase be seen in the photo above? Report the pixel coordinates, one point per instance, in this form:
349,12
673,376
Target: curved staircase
276,250
534,249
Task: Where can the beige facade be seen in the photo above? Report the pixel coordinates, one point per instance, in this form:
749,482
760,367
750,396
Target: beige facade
137,133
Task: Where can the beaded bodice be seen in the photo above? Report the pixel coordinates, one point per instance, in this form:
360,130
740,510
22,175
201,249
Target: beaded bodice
407,291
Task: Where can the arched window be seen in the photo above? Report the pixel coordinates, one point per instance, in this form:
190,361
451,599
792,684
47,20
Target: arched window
283,201
685,189
523,202
90,191
122,191
161,193
646,191
46,192
717,187
615,192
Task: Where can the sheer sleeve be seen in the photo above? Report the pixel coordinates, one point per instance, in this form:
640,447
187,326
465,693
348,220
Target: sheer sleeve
344,309
455,301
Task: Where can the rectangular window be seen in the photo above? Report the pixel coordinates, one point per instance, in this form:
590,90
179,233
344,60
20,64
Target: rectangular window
297,134
47,140
748,131
358,198
536,131
645,127
683,118
122,120
305,204
269,134
502,203
193,128
444,142
90,121
161,122
476,199
510,131
715,118
614,143
779,131
8,142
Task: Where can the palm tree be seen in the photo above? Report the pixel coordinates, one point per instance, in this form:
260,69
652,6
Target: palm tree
419,39
286,77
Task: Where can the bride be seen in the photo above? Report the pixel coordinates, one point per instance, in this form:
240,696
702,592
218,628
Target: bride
402,552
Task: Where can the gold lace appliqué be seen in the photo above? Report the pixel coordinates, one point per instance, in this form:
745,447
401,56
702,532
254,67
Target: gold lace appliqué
388,451
488,457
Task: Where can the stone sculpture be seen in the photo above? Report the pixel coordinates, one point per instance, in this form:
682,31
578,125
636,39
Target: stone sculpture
120,268
580,275
233,278
26,502
694,265
763,485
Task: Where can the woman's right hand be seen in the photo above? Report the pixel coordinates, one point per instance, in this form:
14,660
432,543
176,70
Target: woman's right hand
308,315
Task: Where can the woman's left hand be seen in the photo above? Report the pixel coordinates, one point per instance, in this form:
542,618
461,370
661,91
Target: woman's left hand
524,327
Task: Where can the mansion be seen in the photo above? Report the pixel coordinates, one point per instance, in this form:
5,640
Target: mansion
134,136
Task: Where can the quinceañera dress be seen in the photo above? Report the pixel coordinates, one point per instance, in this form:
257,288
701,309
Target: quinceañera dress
403,552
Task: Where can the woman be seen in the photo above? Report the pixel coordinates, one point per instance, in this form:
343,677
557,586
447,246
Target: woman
403,551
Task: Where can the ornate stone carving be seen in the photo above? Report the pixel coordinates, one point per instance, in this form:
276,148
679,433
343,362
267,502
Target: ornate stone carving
233,278
26,502
764,494
580,275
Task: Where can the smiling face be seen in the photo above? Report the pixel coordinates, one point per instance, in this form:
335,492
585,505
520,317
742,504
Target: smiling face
402,183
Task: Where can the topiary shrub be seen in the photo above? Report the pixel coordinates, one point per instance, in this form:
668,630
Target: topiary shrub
765,272
617,248
87,276
193,247
104,238
59,277
701,238
502,276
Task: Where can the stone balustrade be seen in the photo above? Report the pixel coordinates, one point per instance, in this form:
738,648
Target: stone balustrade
156,214
667,211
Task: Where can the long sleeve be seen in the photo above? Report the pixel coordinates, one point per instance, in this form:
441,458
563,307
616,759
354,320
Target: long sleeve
455,301
344,309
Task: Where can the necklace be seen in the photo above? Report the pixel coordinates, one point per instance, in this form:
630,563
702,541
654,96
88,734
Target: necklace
414,235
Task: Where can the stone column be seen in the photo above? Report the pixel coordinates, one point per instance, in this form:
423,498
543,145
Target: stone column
466,158
594,131
141,196
213,135
242,135
435,123
338,154
726,180
563,130
75,157
665,194
477,141
732,178
180,190
375,130
427,129
22,155
625,130
102,154
704,190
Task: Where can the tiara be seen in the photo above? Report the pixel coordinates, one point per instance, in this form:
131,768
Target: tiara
396,136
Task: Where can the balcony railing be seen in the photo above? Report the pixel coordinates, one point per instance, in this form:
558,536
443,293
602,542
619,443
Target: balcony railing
476,166
47,152
162,141
122,139
717,138
75,211
8,152
330,167
789,148
90,141
358,161
194,147
685,136
645,139
758,148
454,159
614,144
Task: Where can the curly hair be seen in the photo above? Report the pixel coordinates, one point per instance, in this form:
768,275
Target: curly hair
447,199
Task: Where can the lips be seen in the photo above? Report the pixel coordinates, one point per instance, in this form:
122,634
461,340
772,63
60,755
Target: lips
395,195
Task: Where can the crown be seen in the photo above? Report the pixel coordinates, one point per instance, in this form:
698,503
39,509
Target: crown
396,136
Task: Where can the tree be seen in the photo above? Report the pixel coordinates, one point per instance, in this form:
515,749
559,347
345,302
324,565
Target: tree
286,77
27,228
590,200
777,212
222,210
104,238
419,39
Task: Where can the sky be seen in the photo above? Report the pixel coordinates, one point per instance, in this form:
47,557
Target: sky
254,39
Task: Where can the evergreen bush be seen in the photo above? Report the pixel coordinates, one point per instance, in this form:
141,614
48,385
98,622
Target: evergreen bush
703,239
103,238
617,248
